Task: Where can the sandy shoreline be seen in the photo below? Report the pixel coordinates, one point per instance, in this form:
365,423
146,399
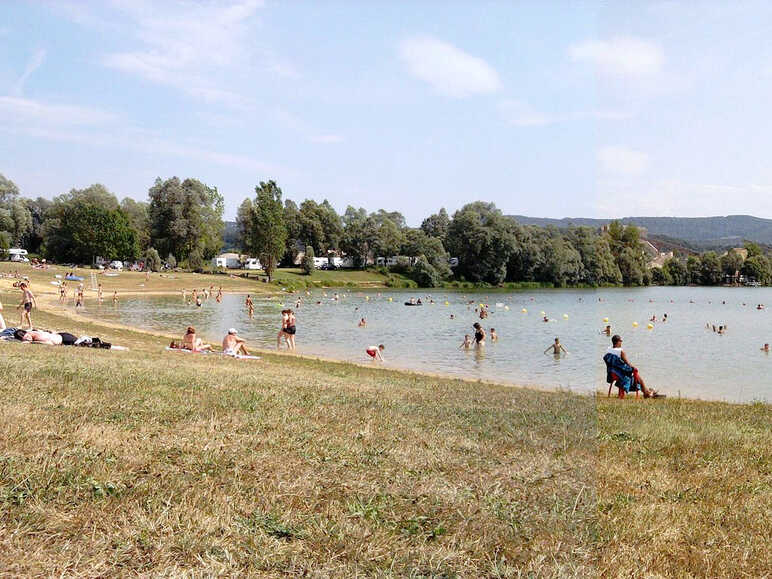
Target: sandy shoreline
51,301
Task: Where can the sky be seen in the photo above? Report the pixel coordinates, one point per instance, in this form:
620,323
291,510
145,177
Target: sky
548,109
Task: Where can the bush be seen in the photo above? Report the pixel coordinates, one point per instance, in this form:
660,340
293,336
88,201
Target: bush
196,260
152,260
424,274
308,260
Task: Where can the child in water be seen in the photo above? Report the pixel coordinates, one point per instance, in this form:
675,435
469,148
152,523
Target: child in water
376,353
494,335
467,343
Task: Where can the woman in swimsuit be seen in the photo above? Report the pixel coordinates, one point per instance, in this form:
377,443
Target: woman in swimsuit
479,335
193,343
280,335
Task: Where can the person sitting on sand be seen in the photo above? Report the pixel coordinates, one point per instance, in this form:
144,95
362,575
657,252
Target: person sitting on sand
467,343
193,343
637,380
232,345
376,353
557,348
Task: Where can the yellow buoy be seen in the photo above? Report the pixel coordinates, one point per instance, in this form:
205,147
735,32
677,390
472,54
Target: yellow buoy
542,313
565,316
391,299
605,320
650,326
506,308
525,311
635,324
447,303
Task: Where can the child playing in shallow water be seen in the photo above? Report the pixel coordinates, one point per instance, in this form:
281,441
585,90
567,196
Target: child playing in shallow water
494,336
467,343
376,353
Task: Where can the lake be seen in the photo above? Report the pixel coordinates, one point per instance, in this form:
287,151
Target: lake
679,356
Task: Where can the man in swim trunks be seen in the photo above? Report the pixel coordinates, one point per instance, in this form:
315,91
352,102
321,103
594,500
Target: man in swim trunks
28,300
556,348
376,353
232,345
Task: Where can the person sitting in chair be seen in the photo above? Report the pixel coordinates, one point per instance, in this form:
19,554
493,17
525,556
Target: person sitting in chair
620,370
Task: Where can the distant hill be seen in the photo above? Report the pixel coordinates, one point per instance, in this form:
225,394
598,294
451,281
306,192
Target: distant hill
699,232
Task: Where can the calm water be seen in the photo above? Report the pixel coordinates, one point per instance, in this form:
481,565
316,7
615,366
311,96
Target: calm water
679,355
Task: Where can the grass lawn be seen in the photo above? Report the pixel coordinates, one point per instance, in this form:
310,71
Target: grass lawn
152,462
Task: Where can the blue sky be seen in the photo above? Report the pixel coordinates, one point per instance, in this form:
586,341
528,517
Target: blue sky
547,109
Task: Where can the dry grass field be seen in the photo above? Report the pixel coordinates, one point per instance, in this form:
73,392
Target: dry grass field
149,462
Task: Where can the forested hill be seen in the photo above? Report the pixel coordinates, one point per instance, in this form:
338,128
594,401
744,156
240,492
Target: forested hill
728,230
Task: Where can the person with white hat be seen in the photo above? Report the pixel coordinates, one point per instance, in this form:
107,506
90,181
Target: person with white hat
232,345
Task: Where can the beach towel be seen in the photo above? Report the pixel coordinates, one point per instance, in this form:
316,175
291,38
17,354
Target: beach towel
617,369
237,356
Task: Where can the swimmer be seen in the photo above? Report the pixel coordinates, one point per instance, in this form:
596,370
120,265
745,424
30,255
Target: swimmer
765,348
556,348
99,293
250,306
546,319
376,353
115,297
362,323
494,335
607,330
467,343
452,316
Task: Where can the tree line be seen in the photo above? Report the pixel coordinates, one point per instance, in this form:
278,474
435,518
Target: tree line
181,223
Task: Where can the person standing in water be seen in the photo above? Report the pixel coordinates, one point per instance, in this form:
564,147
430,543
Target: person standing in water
557,348
250,306
479,335
467,343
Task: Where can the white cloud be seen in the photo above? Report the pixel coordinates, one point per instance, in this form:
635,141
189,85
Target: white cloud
21,111
34,63
622,160
520,114
623,56
449,70
97,128
189,46
676,198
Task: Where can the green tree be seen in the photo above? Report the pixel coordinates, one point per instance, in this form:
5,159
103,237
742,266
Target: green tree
308,260
675,272
83,231
15,217
710,270
262,224
694,269
185,215
482,239
38,209
152,260
758,268
360,235
437,225
171,260
292,223
137,212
